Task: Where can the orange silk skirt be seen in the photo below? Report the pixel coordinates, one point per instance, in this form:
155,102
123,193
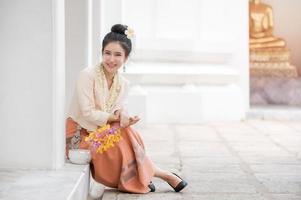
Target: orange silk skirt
124,166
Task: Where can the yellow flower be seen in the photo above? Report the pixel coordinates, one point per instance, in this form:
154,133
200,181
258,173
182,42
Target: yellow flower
129,33
106,142
102,128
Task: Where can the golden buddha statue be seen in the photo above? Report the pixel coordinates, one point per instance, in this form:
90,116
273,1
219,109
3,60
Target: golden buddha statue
261,26
268,54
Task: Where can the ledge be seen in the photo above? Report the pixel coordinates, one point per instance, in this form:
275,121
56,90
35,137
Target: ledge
154,73
69,182
274,112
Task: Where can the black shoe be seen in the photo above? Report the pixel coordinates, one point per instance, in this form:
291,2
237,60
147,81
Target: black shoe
180,186
152,187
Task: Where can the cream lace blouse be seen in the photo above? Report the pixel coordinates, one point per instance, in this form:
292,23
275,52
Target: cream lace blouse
87,106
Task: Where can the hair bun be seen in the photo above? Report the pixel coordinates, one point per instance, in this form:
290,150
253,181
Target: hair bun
119,28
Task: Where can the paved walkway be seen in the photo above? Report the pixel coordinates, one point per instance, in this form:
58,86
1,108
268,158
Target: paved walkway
251,160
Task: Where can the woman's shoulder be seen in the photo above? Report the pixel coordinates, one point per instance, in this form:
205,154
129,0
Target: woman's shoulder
124,80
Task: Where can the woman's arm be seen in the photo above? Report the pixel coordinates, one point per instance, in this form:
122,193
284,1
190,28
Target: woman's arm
85,95
125,119
121,104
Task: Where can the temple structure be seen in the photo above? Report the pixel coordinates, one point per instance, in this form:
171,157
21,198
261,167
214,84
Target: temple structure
269,55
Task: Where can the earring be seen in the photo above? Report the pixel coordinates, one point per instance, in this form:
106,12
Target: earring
124,68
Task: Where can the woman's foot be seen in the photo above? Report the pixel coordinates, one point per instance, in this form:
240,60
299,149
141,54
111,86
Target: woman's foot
176,182
152,187
96,189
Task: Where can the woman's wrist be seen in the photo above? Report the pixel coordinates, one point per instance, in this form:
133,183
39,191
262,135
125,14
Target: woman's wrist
113,118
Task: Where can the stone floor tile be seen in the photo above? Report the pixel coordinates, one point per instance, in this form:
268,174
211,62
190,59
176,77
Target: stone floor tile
276,168
281,183
221,196
286,197
164,196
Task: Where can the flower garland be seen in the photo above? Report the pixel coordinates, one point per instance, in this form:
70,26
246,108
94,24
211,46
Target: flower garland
103,138
114,90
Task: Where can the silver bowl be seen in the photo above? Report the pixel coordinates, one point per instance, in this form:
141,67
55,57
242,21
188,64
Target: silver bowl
79,156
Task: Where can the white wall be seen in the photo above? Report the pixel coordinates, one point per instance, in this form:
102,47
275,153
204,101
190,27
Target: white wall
110,15
76,43
83,39
208,34
95,34
26,84
240,61
287,20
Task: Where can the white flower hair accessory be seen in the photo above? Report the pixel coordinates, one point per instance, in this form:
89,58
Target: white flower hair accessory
129,33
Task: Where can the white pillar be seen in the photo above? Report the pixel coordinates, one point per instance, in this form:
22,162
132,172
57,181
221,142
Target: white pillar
58,83
32,84
76,43
94,36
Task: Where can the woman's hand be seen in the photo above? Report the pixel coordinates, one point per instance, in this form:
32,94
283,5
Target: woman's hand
114,117
133,120
124,119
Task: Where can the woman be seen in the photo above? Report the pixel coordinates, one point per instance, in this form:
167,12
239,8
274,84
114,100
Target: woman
100,98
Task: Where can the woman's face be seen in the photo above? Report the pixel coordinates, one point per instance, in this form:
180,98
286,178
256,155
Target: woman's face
113,57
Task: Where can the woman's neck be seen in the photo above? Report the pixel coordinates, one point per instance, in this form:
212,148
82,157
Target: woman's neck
109,76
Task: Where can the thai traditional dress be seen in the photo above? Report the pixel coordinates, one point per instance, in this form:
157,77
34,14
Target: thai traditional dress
121,161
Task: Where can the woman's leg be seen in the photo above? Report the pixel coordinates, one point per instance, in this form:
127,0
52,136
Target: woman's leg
167,176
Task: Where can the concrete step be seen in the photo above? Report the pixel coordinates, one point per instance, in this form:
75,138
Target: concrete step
68,183
172,104
161,89
272,112
160,73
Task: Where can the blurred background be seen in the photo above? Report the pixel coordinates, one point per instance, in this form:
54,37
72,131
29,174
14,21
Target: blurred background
190,64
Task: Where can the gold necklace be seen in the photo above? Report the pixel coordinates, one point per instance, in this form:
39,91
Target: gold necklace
113,91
